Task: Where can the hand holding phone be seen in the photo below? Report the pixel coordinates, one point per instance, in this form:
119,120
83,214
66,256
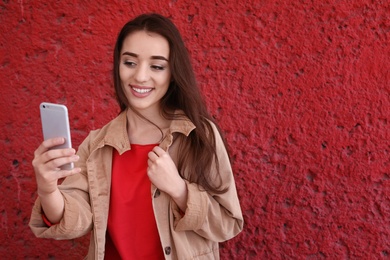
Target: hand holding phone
55,123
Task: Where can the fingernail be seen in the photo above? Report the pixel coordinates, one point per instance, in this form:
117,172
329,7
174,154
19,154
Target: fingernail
77,170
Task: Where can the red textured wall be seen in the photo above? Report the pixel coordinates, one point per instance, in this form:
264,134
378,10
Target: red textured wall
301,90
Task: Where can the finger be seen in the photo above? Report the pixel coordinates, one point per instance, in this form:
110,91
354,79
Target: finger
65,173
49,143
61,152
152,156
58,153
58,162
42,160
158,150
150,163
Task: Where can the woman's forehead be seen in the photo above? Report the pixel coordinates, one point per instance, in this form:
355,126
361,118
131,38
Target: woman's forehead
144,43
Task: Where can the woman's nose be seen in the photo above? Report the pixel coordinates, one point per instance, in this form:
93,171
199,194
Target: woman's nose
142,73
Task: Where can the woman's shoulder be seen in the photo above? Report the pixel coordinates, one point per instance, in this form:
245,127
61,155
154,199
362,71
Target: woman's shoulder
112,132
112,126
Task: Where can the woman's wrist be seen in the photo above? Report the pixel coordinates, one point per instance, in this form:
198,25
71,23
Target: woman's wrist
52,205
180,195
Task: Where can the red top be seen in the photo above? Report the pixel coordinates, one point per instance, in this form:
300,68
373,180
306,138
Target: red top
132,231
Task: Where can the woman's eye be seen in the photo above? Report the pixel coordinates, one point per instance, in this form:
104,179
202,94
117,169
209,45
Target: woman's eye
158,67
129,63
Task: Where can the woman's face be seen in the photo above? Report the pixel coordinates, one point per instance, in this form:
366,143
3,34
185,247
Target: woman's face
144,70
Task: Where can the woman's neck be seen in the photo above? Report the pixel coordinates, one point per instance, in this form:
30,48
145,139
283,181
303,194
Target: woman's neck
146,129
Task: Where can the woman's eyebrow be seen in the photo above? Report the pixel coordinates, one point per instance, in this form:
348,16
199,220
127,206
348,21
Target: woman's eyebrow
154,57
159,58
130,54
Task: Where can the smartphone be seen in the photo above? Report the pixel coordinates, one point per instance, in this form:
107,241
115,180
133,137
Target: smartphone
55,123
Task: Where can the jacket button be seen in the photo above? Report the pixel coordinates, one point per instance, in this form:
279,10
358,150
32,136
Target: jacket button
167,250
157,193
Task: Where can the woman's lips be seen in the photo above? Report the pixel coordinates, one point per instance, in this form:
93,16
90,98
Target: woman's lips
140,91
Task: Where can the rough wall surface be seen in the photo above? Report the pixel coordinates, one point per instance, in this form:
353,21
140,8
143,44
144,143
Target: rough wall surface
300,88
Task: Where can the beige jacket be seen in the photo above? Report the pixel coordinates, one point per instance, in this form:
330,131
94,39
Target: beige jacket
209,218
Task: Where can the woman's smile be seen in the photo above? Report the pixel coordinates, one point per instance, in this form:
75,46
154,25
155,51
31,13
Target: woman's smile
140,91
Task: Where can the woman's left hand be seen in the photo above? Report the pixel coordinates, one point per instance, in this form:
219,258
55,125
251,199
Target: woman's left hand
163,173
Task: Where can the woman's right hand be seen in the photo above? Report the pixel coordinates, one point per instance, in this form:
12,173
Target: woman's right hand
47,165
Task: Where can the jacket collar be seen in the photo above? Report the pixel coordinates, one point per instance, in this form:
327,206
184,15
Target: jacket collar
117,137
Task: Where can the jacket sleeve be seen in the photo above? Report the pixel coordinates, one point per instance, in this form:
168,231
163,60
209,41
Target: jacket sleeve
216,217
77,219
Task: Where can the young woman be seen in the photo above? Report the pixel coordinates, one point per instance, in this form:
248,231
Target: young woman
156,181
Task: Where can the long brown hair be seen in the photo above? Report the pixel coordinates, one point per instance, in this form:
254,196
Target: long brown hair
196,157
